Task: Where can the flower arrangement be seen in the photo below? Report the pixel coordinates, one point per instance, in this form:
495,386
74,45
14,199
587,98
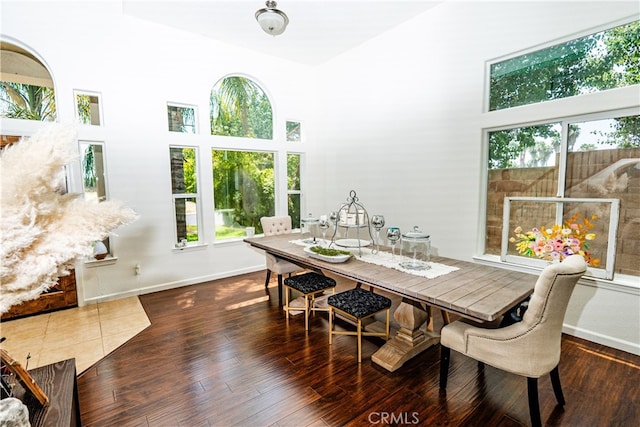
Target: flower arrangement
558,242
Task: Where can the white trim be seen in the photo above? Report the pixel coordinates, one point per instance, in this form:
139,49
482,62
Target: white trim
172,285
628,346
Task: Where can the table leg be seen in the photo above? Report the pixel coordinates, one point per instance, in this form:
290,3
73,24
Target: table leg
410,338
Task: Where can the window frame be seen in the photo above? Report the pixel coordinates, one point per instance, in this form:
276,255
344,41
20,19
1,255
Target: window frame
277,165
614,212
541,46
184,243
300,191
196,127
76,93
565,120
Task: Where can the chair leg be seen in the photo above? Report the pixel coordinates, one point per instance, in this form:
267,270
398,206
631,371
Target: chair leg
359,341
286,302
534,404
306,312
266,282
330,325
445,355
280,289
557,387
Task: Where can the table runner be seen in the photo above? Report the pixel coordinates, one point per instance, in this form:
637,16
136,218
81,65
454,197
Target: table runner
386,259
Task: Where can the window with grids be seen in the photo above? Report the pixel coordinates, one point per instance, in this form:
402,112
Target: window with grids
593,158
186,199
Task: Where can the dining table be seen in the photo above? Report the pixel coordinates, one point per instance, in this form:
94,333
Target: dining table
478,292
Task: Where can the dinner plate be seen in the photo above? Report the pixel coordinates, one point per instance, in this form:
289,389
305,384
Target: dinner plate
352,243
333,259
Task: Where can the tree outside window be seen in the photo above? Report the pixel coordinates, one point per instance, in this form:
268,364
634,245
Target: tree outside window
244,190
239,107
27,93
600,61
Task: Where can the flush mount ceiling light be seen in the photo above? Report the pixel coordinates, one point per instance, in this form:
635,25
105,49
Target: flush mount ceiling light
272,20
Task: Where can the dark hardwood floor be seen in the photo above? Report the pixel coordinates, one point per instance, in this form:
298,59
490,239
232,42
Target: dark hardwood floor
222,354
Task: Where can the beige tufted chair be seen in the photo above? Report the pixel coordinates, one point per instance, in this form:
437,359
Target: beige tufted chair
530,348
273,225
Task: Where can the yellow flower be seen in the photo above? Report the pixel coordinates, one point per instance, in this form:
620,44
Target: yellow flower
590,236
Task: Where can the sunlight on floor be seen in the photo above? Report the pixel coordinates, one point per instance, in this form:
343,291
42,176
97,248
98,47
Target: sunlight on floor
609,358
85,333
248,302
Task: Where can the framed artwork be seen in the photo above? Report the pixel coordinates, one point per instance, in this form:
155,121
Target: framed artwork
23,377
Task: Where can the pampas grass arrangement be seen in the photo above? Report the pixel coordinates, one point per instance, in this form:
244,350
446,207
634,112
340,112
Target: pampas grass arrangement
43,232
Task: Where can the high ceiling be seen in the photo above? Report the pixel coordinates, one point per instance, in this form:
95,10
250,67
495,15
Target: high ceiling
317,31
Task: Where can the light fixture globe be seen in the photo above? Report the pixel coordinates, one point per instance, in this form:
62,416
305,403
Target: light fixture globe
272,20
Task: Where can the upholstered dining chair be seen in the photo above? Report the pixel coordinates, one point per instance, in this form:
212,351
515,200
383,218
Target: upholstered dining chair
530,348
273,225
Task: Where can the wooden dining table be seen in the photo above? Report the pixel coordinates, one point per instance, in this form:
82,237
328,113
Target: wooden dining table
474,291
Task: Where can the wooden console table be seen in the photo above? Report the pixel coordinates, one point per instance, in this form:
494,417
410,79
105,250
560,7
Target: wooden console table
58,382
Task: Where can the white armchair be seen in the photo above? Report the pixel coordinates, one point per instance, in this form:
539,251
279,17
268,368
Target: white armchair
530,348
273,225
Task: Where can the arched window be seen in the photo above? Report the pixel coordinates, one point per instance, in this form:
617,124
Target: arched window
26,86
239,107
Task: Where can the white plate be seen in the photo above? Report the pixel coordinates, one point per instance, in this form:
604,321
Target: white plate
352,243
334,259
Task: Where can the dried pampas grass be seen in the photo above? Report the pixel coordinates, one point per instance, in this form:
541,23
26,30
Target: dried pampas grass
43,231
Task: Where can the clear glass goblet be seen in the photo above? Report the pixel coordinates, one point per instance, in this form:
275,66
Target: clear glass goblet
393,234
333,216
324,226
378,222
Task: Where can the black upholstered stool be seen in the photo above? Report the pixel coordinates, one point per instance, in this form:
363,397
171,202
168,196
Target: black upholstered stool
308,284
358,305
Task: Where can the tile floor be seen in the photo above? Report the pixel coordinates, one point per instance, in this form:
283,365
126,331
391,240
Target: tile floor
86,333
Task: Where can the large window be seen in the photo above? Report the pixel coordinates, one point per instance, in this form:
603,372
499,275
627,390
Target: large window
587,159
604,60
249,175
186,199
244,190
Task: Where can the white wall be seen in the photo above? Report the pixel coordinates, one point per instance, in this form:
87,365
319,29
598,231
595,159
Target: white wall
399,119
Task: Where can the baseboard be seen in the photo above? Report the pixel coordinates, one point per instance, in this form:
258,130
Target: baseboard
628,346
171,285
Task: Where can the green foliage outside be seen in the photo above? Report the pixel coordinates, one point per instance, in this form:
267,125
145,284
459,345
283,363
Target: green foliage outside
244,182
293,184
239,107
28,102
601,61
84,108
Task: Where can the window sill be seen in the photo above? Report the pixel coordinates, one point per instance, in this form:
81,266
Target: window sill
109,260
189,248
620,283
